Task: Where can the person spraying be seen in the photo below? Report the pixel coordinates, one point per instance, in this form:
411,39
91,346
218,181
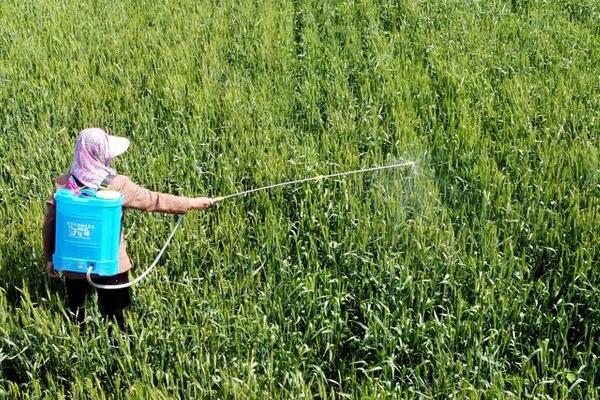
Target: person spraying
91,171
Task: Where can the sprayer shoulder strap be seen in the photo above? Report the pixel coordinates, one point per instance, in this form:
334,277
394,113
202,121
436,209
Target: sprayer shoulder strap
106,182
104,185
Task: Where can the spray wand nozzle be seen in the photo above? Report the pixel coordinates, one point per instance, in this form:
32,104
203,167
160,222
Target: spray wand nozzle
315,178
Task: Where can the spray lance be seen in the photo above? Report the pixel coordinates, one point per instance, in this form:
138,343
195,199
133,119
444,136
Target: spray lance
90,269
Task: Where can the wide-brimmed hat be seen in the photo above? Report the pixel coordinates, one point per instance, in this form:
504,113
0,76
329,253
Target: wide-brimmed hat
117,145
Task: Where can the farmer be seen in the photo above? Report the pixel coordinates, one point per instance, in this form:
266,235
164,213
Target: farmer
94,152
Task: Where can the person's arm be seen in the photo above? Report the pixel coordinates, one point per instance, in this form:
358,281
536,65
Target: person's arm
48,234
140,198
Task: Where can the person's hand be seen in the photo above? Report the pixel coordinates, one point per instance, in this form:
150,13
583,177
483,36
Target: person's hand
51,272
202,203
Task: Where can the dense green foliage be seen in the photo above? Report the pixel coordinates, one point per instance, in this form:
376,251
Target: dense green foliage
474,275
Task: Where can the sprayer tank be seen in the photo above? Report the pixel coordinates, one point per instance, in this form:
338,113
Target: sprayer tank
88,231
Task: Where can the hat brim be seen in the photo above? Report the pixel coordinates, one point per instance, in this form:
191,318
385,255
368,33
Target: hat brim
117,145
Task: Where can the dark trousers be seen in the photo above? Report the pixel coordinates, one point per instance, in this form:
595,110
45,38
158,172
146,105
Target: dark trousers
112,302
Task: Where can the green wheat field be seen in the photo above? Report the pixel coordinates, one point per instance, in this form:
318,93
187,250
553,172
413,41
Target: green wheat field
474,274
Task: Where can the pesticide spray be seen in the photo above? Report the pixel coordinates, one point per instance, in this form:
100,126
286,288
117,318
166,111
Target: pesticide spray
92,268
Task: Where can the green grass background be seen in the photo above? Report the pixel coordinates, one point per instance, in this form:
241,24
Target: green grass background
474,275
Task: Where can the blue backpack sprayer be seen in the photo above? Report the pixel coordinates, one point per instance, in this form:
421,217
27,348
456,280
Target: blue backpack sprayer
88,228
88,231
